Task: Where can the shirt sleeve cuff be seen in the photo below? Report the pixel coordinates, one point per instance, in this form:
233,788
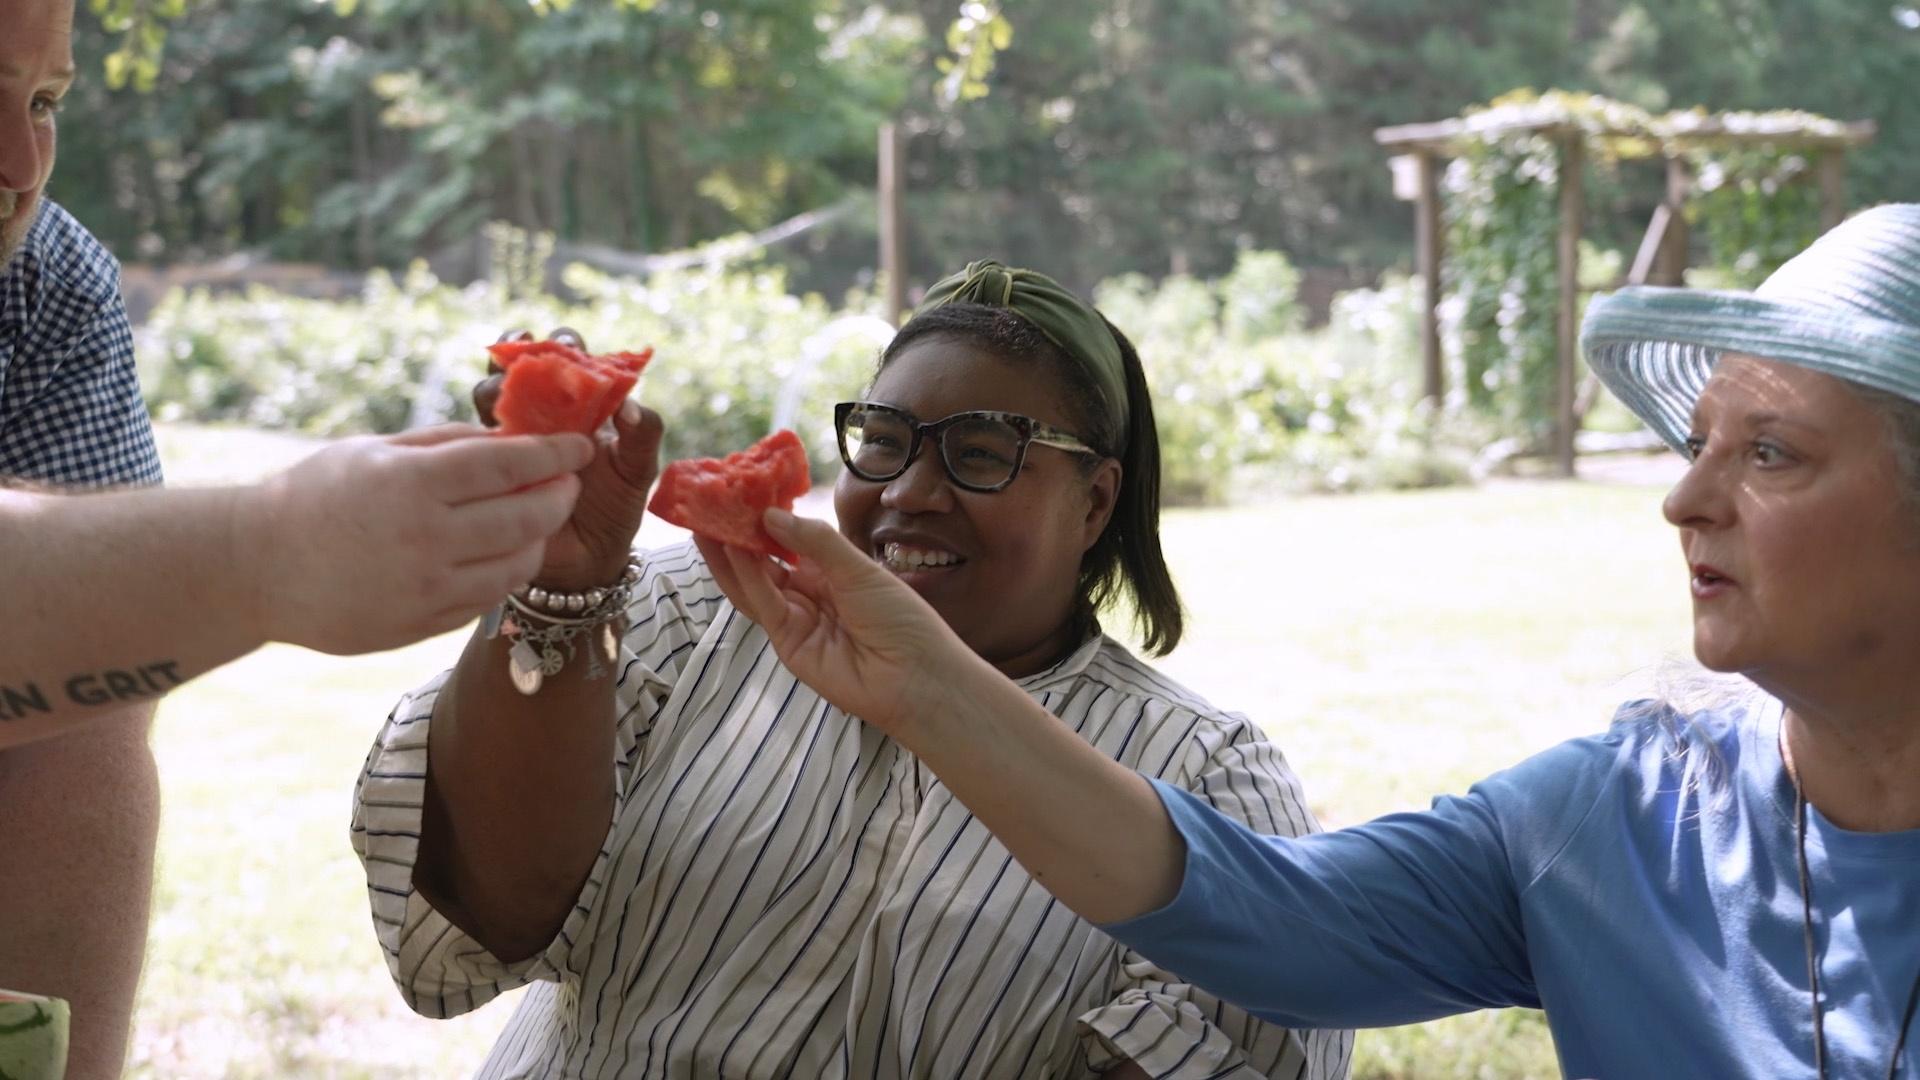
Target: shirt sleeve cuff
1165,1036
440,970
1182,806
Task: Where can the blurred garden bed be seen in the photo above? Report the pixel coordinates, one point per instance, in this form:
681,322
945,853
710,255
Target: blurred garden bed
1249,401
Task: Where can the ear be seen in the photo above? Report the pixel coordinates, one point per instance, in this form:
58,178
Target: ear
1103,493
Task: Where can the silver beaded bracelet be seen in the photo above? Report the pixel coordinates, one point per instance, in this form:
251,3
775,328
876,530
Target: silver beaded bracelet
542,622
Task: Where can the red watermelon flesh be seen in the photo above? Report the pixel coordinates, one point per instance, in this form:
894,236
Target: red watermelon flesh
722,498
552,387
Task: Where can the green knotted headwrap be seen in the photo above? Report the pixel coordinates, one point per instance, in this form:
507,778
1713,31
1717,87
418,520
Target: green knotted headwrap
1066,320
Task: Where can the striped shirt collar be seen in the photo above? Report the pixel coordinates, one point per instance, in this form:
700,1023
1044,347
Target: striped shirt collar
1068,668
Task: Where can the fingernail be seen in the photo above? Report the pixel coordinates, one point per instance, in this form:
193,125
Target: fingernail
777,518
630,412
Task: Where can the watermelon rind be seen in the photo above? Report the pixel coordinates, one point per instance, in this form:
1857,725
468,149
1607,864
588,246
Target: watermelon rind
33,1037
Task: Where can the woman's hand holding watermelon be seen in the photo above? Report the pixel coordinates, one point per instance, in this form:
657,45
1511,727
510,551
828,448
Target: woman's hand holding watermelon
848,628
592,548
525,777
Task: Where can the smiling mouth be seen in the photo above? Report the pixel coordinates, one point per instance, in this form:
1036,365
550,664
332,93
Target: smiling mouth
904,558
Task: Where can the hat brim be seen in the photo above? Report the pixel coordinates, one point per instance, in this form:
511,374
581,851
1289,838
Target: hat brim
1655,348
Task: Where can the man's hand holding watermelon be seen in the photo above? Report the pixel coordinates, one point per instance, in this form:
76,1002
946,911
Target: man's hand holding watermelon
375,543
369,544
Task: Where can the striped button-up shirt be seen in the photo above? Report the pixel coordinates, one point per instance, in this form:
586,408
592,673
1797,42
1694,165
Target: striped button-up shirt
70,405
784,892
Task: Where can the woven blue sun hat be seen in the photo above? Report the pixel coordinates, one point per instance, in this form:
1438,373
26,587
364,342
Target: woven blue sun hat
1848,306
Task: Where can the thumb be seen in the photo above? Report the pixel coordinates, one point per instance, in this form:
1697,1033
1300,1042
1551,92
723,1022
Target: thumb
636,453
840,562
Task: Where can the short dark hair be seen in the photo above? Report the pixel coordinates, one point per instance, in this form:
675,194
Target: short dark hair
1126,559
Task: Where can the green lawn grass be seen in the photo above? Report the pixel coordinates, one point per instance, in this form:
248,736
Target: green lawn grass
1396,646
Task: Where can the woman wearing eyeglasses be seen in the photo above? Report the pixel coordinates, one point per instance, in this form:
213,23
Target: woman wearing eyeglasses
703,869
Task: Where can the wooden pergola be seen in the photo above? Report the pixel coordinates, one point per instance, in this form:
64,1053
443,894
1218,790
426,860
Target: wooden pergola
1420,149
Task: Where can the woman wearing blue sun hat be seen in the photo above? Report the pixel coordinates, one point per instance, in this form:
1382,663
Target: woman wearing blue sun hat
1727,891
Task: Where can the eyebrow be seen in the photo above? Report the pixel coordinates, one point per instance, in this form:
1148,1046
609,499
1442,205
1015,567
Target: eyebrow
63,74
1758,420
1766,419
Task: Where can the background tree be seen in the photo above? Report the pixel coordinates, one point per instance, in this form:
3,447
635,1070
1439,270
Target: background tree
1112,136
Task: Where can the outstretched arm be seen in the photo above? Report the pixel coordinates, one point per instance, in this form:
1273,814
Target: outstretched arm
1090,830
519,790
114,599
1406,918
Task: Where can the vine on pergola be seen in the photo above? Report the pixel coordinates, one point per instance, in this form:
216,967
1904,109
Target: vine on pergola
1757,187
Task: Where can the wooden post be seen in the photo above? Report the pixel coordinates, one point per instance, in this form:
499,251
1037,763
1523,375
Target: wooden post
1672,267
893,239
1833,187
1427,247
1652,248
1572,209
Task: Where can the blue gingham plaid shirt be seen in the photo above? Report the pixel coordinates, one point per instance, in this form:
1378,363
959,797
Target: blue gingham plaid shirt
70,406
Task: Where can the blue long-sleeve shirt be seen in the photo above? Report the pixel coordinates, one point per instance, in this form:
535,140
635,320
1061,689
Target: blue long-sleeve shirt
1641,886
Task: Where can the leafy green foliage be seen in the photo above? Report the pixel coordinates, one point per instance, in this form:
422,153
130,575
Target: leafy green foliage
1757,208
1248,403
974,40
373,132
1114,135
410,349
141,27
1503,236
1752,200
1246,400
1119,136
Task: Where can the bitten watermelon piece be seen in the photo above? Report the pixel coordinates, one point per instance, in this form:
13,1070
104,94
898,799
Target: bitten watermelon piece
722,498
33,1037
552,387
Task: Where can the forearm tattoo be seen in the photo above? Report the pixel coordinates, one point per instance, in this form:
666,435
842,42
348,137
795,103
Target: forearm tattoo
90,688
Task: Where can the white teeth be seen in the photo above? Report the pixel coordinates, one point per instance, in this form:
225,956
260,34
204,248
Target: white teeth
899,558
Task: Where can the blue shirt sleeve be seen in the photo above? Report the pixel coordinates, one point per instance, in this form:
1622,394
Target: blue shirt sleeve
1403,919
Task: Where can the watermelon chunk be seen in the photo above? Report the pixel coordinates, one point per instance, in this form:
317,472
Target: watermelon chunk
552,387
33,1037
722,498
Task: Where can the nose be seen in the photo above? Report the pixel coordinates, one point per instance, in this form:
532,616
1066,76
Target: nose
20,150
1701,500
923,488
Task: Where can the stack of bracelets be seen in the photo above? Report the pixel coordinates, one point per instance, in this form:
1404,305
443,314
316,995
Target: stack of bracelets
542,622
